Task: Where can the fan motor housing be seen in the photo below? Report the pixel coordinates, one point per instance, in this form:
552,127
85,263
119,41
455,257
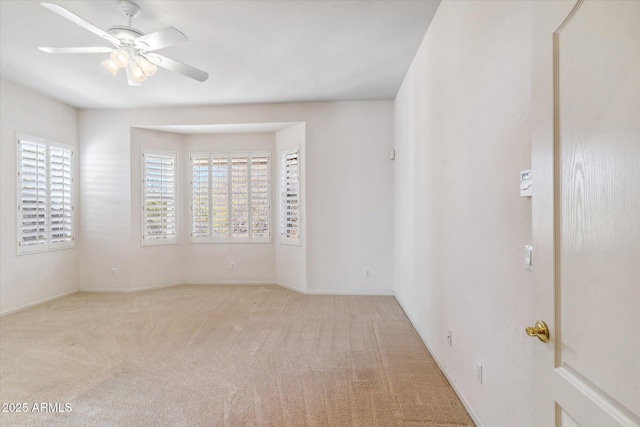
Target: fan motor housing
125,33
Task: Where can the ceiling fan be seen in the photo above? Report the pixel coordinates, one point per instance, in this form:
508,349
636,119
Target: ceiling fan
133,50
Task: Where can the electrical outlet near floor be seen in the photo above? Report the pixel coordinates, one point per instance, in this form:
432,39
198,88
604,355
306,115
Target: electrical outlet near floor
232,266
449,339
367,274
114,271
479,372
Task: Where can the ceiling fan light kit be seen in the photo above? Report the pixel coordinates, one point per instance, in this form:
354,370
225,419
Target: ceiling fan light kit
133,49
111,67
140,68
147,67
120,58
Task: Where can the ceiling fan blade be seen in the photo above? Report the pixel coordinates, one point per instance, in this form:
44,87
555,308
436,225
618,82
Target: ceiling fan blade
178,67
80,21
160,39
76,49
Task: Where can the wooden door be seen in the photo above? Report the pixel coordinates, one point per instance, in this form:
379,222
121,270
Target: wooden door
586,210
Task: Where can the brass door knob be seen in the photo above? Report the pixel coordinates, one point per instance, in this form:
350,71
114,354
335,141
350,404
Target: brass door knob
540,330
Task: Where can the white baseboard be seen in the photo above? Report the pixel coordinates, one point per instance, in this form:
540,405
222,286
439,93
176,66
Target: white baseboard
360,292
225,283
142,288
465,402
148,288
42,301
338,292
291,288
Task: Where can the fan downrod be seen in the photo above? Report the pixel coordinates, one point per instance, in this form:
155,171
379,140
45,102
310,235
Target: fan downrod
126,33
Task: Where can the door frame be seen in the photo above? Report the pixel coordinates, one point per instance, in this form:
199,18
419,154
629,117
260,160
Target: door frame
547,17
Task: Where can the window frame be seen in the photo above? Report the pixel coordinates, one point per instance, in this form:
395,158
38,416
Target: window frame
49,244
229,238
168,241
286,240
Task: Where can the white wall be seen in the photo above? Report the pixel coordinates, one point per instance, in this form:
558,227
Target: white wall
350,198
209,263
291,260
154,266
105,200
32,278
346,229
462,134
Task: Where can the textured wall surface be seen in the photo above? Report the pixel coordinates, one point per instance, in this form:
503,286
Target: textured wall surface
31,278
462,134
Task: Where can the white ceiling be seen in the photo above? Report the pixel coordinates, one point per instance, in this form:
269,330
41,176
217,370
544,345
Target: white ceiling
254,51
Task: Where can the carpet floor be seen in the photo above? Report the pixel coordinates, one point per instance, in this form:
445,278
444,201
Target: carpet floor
220,356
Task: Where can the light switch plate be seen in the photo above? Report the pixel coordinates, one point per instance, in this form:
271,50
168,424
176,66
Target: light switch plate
526,183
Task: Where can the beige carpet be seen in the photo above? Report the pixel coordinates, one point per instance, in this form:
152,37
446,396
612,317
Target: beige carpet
221,356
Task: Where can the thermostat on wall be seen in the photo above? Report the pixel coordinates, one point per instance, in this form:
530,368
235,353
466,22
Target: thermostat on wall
526,181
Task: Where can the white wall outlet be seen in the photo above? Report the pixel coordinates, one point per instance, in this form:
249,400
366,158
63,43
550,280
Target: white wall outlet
449,339
367,274
232,266
528,254
479,372
114,271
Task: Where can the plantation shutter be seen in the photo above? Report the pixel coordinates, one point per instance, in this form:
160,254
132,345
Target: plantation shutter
260,204
33,213
60,189
200,207
230,197
290,197
44,195
220,197
159,201
239,196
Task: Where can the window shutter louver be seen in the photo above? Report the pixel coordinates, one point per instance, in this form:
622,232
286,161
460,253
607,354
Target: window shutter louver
60,202
260,209
230,197
44,195
33,194
290,197
200,197
159,201
220,196
239,197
